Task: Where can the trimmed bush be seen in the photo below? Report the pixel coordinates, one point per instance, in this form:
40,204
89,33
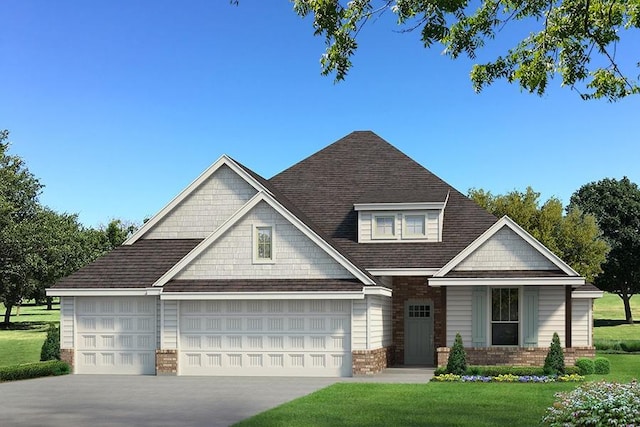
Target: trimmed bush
457,362
630,346
554,362
613,346
586,366
596,404
34,370
51,346
601,365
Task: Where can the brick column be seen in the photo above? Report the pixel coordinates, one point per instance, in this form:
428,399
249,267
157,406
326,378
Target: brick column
66,355
166,362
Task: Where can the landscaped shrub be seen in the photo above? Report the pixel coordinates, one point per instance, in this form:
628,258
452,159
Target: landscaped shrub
601,365
611,346
34,370
596,404
586,366
630,346
554,362
493,371
51,346
457,362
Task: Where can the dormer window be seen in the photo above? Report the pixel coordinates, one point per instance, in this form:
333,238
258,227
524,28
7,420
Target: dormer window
415,226
384,227
394,221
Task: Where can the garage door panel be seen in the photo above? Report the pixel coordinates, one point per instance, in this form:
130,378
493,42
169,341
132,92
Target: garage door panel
299,337
116,335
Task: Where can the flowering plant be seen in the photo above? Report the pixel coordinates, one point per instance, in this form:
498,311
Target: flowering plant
600,403
508,378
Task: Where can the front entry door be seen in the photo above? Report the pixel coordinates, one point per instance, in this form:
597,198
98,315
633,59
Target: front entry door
418,327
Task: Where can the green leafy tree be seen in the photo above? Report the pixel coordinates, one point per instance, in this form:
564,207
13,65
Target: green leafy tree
554,362
574,39
574,237
616,206
19,191
457,362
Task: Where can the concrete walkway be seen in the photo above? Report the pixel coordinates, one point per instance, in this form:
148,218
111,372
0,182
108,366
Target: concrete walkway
111,400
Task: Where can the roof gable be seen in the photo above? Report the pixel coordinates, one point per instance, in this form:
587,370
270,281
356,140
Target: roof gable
237,217
506,246
205,204
295,255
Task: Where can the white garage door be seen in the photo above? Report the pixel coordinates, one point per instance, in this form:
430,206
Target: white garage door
115,335
274,338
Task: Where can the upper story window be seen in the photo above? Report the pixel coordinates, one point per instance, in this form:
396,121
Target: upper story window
415,226
263,244
384,226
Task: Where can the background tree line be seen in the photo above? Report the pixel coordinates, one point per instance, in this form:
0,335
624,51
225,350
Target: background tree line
39,246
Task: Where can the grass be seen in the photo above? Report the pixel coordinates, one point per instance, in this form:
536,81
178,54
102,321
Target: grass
452,404
22,342
431,404
609,320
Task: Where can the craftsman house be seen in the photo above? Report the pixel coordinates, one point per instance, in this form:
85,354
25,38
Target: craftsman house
354,259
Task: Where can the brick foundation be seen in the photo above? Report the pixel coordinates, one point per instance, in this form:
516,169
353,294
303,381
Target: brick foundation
416,288
66,355
166,362
369,362
529,356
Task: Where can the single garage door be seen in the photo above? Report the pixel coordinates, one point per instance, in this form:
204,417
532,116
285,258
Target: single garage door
116,335
270,338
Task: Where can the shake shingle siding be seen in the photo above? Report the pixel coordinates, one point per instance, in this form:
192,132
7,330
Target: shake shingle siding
354,169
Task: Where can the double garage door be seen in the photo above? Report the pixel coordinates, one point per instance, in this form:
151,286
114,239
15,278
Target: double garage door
119,335
271,338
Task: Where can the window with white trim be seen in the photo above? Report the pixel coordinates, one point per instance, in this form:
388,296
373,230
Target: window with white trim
384,226
263,244
415,226
505,324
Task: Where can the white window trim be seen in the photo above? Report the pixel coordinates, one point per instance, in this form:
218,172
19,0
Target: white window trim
254,243
374,227
489,308
412,236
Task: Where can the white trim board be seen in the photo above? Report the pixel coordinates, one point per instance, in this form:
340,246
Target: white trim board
102,292
505,221
224,160
437,282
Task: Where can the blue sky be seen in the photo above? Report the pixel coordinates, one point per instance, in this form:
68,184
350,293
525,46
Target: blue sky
116,105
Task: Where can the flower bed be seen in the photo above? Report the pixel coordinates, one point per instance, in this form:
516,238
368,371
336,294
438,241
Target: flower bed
508,378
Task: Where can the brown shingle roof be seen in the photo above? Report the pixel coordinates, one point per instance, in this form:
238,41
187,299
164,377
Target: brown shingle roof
266,285
135,266
326,185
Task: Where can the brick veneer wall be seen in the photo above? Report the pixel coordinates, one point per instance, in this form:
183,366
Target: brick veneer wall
166,362
66,355
406,288
369,362
529,356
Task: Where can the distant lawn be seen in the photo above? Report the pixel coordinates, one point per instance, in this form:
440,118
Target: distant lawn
23,341
608,315
431,404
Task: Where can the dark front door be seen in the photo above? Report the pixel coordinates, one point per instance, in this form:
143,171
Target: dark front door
418,333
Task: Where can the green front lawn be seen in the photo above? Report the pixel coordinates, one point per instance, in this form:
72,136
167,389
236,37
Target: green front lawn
431,404
23,341
608,316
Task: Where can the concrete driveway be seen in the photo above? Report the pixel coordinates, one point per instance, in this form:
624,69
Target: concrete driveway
101,400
